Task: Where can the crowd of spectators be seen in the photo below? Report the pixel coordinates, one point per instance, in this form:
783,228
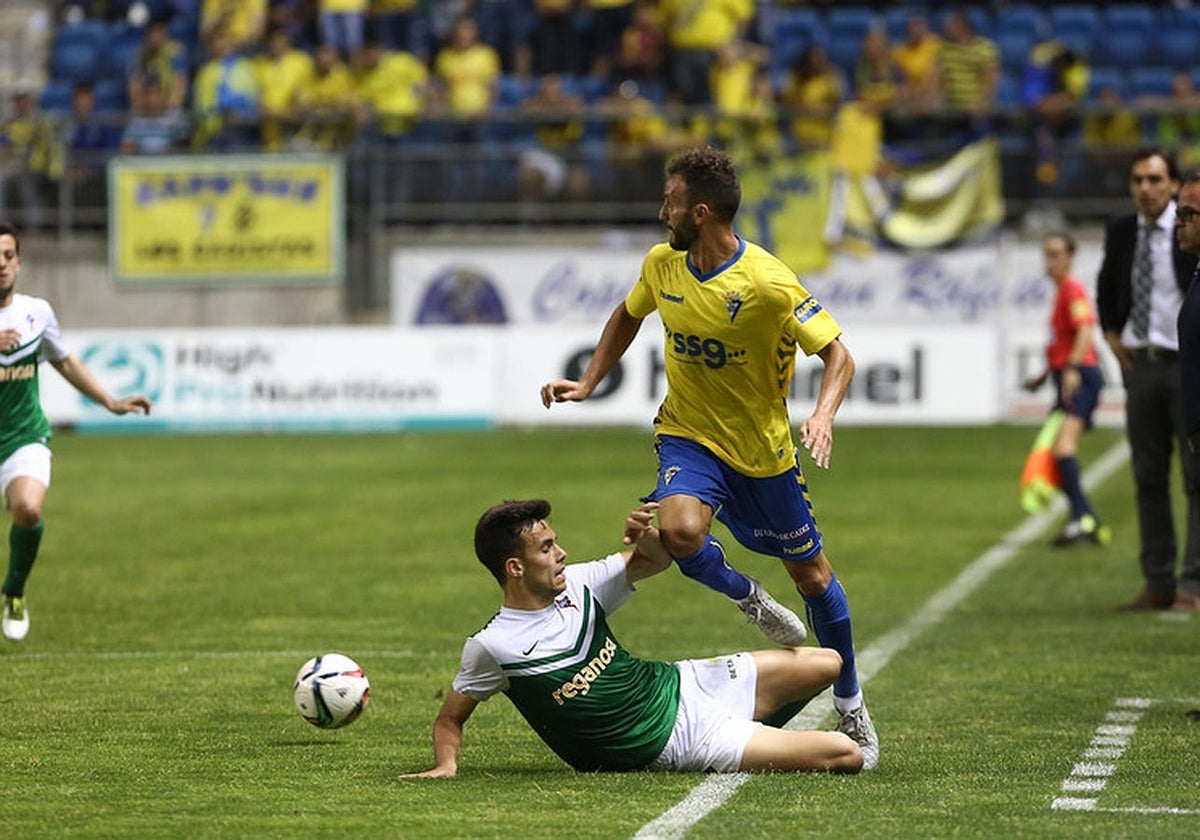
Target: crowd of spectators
591,92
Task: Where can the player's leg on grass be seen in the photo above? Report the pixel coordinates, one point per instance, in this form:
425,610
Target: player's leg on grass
784,749
24,496
829,613
786,675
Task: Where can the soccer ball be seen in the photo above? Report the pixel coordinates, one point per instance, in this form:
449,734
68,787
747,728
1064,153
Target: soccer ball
331,691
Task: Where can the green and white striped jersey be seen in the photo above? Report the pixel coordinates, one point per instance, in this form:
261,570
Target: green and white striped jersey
22,420
594,704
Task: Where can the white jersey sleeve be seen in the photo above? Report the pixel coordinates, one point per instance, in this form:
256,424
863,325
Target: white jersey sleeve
607,580
479,674
54,348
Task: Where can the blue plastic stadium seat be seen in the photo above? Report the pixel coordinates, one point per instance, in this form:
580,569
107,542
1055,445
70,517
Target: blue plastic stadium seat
895,20
86,31
111,95
795,31
56,96
1127,48
1022,18
185,30
844,49
981,20
593,88
1129,17
1008,89
1179,44
1150,81
1102,77
513,90
76,61
856,19
1014,46
119,60
1074,17
121,33
1077,42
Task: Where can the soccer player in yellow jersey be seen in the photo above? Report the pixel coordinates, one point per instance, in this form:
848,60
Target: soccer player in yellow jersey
733,316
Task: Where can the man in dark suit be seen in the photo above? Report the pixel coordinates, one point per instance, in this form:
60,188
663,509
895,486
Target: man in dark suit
1141,285
1187,230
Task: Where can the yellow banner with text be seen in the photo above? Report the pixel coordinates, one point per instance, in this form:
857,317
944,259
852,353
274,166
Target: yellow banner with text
226,220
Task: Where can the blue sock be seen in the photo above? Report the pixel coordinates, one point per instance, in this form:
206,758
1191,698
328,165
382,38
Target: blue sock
829,615
1068,475
708,565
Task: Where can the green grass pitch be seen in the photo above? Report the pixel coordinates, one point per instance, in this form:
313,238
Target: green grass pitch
183,580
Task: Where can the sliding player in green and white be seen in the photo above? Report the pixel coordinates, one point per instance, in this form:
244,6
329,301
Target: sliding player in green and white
551,650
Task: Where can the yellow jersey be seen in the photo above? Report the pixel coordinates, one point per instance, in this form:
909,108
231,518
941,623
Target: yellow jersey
469,76
730,340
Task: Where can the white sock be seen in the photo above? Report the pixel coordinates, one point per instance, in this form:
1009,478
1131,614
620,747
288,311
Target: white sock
847,704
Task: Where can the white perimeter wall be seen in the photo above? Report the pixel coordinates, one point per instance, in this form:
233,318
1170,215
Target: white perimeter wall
938,339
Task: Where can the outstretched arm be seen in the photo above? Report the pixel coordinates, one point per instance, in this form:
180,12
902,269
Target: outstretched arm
618,334
447,736
649,556
816,433
77,373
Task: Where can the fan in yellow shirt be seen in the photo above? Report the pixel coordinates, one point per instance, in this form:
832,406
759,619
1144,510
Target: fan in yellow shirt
468,71
392,85
283,72
327,104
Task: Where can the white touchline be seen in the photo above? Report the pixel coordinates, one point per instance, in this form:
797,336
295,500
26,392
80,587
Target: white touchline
710,794
1109,742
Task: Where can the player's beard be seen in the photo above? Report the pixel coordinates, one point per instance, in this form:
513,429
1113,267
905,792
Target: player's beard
684,235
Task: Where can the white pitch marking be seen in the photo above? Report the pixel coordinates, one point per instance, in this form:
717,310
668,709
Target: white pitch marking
1077,785
1068,803
1103,752
1094,769
711,793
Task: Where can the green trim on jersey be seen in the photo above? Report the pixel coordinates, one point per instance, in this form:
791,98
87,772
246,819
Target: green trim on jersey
600,708
22,420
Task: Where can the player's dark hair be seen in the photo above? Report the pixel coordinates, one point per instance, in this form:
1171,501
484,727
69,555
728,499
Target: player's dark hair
1191,177
1065,238
11,230
711,179
1147,152
500,532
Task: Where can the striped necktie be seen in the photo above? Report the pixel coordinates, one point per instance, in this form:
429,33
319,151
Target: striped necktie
1143,282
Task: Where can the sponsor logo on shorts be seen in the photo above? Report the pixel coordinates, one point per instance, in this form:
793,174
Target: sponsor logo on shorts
786,536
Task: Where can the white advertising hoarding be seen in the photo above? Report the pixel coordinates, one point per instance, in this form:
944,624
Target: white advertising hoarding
329,378
998,283
510,285
385,378
903,376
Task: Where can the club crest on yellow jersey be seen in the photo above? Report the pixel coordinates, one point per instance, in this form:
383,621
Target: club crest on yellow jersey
733,302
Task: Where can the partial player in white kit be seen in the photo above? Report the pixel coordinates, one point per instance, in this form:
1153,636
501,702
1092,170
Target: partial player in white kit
551,650
29,334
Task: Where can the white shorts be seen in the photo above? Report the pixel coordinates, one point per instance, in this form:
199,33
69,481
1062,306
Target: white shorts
31,460
715,719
